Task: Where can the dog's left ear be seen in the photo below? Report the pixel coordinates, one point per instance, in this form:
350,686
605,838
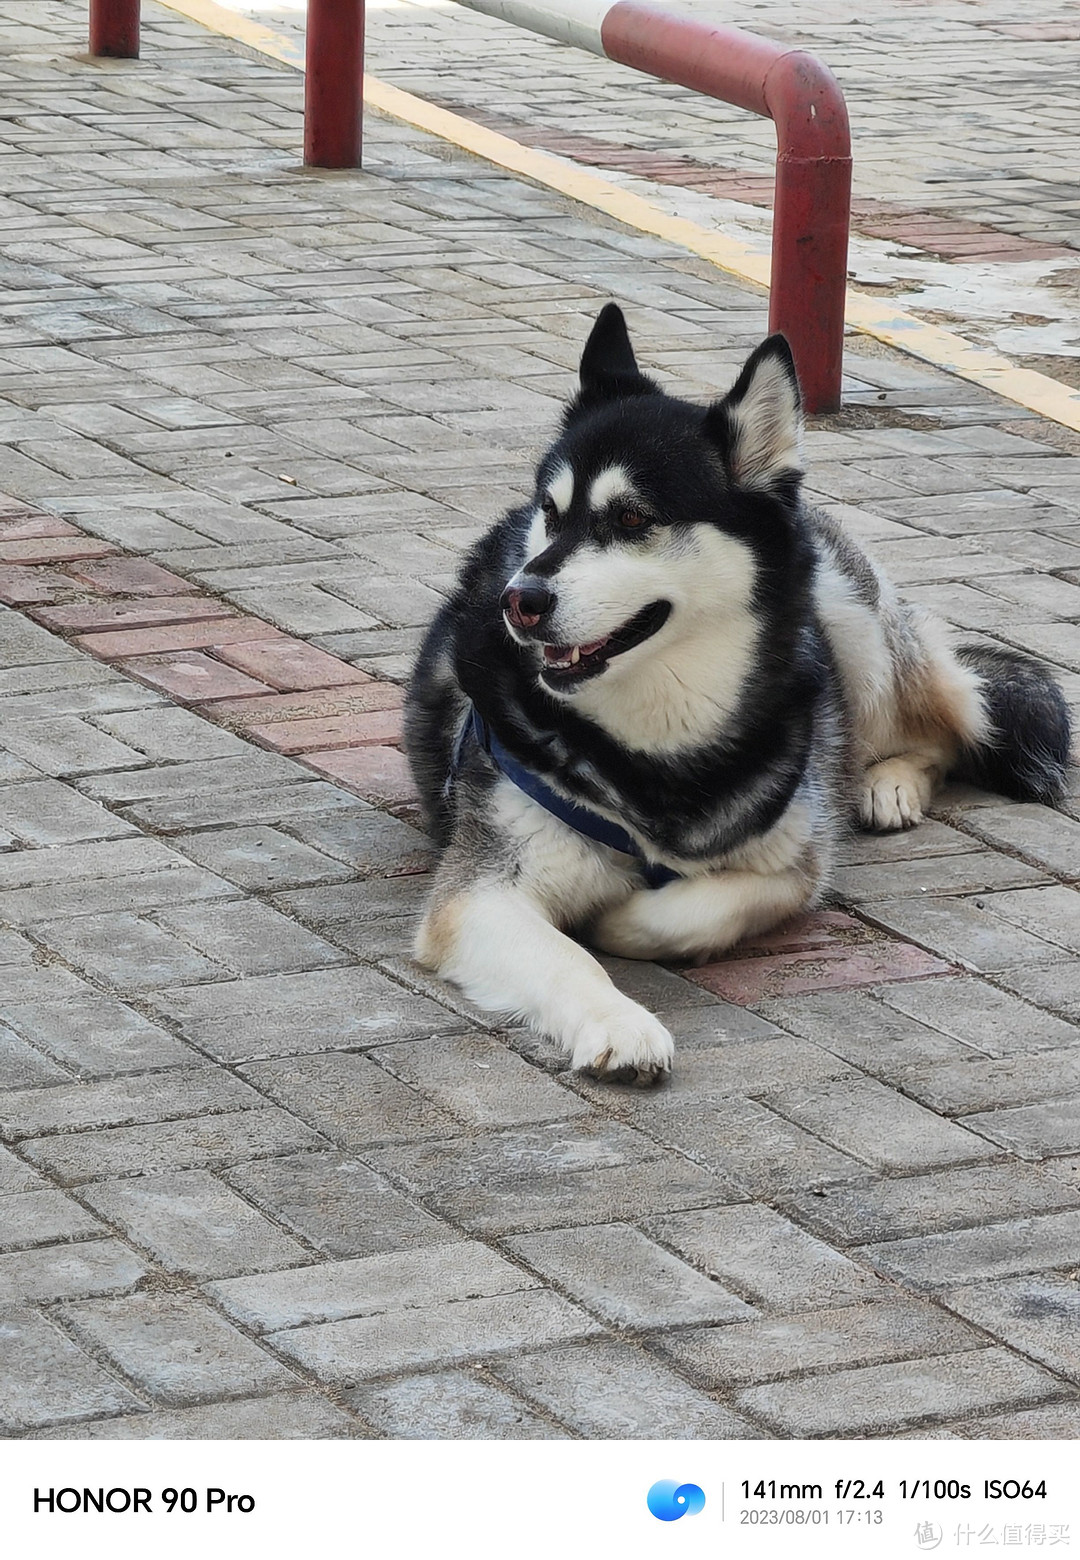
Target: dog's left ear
609,368
758,424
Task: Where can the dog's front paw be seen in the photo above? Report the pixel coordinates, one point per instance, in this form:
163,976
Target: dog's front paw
630,1046
894,795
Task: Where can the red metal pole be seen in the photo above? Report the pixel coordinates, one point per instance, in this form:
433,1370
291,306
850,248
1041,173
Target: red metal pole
114,29
812,202
334,84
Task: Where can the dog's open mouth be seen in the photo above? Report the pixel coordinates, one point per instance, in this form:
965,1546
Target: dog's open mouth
572,663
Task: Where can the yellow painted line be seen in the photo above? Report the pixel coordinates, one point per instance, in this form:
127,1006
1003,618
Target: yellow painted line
873,316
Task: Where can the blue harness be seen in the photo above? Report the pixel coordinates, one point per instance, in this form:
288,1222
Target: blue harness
581,819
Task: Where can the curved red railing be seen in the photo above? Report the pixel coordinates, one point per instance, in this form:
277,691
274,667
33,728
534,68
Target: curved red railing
812,201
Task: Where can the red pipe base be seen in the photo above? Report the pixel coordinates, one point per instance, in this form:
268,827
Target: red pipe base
114,29
334,84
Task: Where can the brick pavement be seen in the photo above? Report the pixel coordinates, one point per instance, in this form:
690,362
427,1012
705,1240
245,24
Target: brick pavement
260,1175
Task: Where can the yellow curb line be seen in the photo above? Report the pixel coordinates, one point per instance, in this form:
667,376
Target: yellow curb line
873,316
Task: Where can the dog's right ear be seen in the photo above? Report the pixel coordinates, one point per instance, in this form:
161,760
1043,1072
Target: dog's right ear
758,424
608,368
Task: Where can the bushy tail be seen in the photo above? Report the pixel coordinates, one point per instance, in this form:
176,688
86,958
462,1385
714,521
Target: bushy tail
1028,750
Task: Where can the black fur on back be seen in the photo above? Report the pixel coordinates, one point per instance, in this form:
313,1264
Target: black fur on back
1027,756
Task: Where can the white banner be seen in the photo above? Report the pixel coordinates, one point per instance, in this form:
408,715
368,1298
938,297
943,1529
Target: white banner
502,1499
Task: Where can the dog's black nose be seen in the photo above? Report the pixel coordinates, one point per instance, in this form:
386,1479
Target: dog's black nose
527,605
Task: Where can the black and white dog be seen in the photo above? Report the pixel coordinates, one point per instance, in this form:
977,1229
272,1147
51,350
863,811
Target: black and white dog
659,695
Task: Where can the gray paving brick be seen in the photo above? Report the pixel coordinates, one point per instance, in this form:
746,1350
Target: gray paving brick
65,745
126,951
98,1037
880,1397
17,1177
40,1218
964,931
766,1258
1054,1422
25,644
610,1389
177,1351
284,1416
250,938
973,873
192,1224
1037,1244
283,1015
1055,986
251,768
165,732
22,1067
90,1267
252,805
581,1172
995,1022
960,1088
1033,1131
368,841
892,1209
864,1031
48,1380
452,1405
15,949
125,895
368,1286
337,1204
356,908
1039,833
770,1348
479,1080
46,812
262,859
1051,913
228,1138
160,1096
706,1025
751,1147
710,1075
875,1123
350,1099
346,1353
1039,1315
626,1279
65,863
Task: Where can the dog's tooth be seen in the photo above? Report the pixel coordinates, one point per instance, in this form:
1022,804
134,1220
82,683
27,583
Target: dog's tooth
575,656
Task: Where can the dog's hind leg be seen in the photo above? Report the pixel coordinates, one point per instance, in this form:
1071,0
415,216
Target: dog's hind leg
699,916
897,791
497,945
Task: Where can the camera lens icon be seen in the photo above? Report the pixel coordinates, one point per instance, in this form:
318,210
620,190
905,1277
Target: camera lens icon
669,1501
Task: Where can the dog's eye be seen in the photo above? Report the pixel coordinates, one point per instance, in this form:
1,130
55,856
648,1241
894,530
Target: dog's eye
551,510
632,519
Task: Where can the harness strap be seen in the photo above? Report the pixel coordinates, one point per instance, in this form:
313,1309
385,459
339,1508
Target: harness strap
581,819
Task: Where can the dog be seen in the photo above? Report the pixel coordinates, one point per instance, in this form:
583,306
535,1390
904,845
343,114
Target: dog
659,696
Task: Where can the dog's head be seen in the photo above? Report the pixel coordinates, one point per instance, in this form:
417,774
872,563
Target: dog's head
653,517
